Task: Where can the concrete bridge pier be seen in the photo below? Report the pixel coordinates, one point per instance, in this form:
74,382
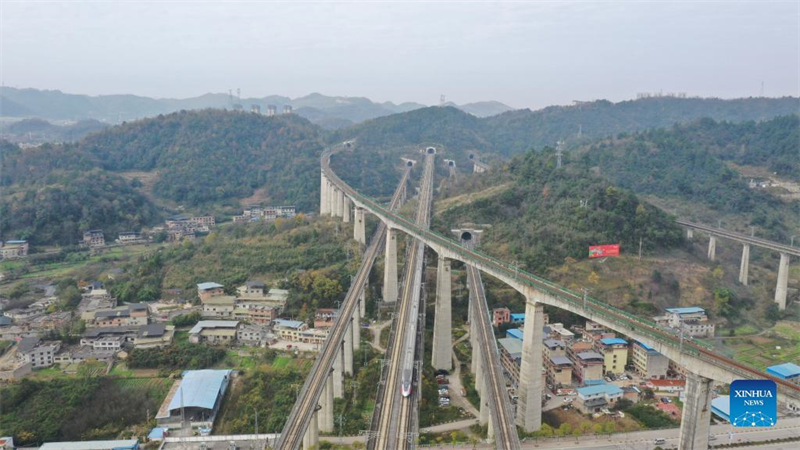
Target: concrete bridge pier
338,374
473,341
529,404
696,413
712,247
326,413
443,318
348,349
689,233
356,327
782,287
336,207
744,268
340,204
480,386
324,208
390,267
362,301
346,210
311,438
331,199
360,226
489,427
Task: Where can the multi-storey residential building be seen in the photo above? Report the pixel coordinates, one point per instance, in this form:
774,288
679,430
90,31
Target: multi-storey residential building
13,249
94,238
253,335
209,289
559,371
258,314
647,362
154,335
691,320
323,318
221,306
252,290
615,354
289,330
553,347
588,366
501,316
592,399
214,332
511,356
38,353
130,237
132,314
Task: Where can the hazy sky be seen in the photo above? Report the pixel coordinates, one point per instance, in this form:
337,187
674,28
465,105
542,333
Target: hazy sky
525,54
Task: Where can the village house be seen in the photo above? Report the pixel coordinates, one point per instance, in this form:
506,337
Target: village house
214,332
130,237
94,238
559,371
131,314
615,354
154,335
691,320
323,318
209,289
289,330
13,249
261,315
253,335
38,353
593,399
220,306
647,362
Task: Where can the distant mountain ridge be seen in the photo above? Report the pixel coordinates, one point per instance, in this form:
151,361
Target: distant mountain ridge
326,111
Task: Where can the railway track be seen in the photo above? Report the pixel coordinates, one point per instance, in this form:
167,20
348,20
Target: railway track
394,417
291,436
506,437
623,321
760,242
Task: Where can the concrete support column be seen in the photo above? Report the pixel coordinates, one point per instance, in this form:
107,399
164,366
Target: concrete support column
783,282
390,267
696,419
336,207
348,349
356,327
340,204
443,318
689,233
744,268
712,247
360,226
489,427
311,438
326,421
529,405
338,375
483,413
324,208
346,210
474,344
362,300
478,358
331,199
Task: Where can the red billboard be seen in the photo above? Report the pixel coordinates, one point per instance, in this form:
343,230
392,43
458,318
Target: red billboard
602,251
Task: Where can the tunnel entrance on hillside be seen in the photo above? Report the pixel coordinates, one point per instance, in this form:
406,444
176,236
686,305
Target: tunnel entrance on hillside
451,163
431,150
410,163
471,156
466,236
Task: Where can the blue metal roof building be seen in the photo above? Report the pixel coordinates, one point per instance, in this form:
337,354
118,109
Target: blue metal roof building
128,444
686,310
517,317
785,371
614,341
198,396
514,333
600,389
721,407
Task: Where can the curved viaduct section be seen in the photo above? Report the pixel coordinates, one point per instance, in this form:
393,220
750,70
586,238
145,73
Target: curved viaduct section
690,353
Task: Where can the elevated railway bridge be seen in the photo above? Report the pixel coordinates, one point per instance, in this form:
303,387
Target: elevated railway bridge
702,363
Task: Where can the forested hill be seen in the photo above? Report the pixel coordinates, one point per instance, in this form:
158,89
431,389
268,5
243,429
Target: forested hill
538,215
206,161
216,156
518,131
686,167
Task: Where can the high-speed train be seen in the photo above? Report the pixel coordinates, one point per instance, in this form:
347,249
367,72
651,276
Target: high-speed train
410,345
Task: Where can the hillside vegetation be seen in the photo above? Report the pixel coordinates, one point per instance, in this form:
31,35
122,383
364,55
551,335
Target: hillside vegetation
546,215
686,165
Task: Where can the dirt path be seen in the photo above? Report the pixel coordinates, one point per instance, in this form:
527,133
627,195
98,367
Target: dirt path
455,382
376,335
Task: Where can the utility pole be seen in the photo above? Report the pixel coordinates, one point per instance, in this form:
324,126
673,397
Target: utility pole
640,247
